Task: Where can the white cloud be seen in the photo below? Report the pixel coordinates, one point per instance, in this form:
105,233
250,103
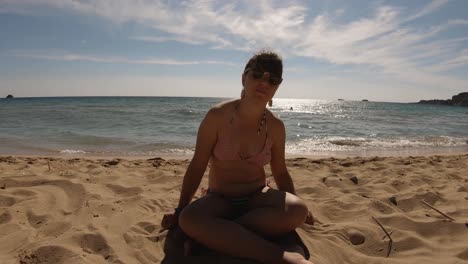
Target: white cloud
460,60
385,39
246,25
429,8
63,56
166,39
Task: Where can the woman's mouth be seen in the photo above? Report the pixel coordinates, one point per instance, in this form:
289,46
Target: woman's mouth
261,91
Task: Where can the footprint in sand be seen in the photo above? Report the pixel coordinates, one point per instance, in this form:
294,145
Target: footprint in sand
463,255
62,194
141,234
148,227
5,217
50,254
154,206
334,181
25,193
35,220
147,230
96,244
6,201
124,191
381,207
54,229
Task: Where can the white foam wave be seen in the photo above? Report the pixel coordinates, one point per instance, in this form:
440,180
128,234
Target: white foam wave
339,144
72,151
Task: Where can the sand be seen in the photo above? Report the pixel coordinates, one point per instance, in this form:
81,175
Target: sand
81,210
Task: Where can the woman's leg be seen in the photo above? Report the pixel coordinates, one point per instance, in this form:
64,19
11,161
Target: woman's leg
204,221
273,212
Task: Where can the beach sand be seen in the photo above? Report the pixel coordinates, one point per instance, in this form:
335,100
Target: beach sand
82,210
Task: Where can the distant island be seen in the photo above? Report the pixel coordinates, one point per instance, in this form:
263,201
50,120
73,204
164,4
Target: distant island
9,96
460,99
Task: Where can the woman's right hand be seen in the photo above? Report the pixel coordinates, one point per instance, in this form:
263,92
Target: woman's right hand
310,220
170,221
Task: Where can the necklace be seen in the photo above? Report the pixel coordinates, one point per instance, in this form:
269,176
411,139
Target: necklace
261,122
260,126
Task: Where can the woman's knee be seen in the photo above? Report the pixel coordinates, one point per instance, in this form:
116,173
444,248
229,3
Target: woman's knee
198,213
297,210
189,219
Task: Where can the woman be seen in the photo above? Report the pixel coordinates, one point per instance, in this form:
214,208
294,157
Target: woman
239,137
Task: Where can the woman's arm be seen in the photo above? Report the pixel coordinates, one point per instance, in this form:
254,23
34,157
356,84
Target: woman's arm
278,164
206,139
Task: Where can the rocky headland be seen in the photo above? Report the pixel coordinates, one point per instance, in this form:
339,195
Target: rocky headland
460,99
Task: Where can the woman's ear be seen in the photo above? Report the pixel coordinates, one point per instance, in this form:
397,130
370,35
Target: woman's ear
243,80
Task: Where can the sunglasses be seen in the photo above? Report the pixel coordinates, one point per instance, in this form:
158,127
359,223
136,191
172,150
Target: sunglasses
272,80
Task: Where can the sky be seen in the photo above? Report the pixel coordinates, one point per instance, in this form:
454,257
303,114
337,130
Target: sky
392,51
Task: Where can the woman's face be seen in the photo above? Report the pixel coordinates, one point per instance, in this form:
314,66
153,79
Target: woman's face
260,85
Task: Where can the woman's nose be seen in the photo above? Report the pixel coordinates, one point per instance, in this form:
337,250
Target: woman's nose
266,76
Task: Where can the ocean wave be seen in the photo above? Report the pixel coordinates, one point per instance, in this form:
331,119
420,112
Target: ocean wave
130,152
145,149
72,151
339,144
423,141
349,142
159,146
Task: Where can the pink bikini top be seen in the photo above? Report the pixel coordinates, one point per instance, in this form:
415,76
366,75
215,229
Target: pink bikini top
226,150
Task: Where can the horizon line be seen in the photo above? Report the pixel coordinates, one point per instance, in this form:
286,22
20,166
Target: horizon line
214,97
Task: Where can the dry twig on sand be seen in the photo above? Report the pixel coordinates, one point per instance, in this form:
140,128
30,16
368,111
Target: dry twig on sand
390,243
391,232
435,209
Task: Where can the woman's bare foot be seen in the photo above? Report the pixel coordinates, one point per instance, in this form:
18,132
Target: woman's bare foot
191,247
187,247
294,258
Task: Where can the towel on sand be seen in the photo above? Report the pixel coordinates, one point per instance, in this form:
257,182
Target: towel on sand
174,249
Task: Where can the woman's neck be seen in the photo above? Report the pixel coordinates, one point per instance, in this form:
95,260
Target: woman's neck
250,110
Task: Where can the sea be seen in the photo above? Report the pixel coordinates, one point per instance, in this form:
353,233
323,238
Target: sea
167,126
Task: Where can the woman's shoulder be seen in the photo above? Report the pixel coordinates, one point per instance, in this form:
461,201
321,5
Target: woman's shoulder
276,127
274,120
223,108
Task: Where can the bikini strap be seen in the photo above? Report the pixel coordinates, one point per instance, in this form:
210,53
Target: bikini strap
233,113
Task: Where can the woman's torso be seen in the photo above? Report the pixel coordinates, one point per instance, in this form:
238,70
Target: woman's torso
239,155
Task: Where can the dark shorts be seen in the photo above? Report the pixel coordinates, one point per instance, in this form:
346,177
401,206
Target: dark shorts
240,204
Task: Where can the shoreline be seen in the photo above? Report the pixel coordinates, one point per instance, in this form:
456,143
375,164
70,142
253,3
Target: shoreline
319,155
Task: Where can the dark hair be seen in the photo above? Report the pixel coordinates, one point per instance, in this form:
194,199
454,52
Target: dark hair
266,61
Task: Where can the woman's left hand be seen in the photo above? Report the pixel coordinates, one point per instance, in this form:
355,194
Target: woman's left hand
310,219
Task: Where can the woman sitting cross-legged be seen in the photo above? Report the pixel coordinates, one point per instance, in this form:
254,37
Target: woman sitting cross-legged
239,137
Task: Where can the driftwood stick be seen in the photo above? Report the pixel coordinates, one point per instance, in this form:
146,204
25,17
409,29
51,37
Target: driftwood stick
391,232
435,209
390,243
